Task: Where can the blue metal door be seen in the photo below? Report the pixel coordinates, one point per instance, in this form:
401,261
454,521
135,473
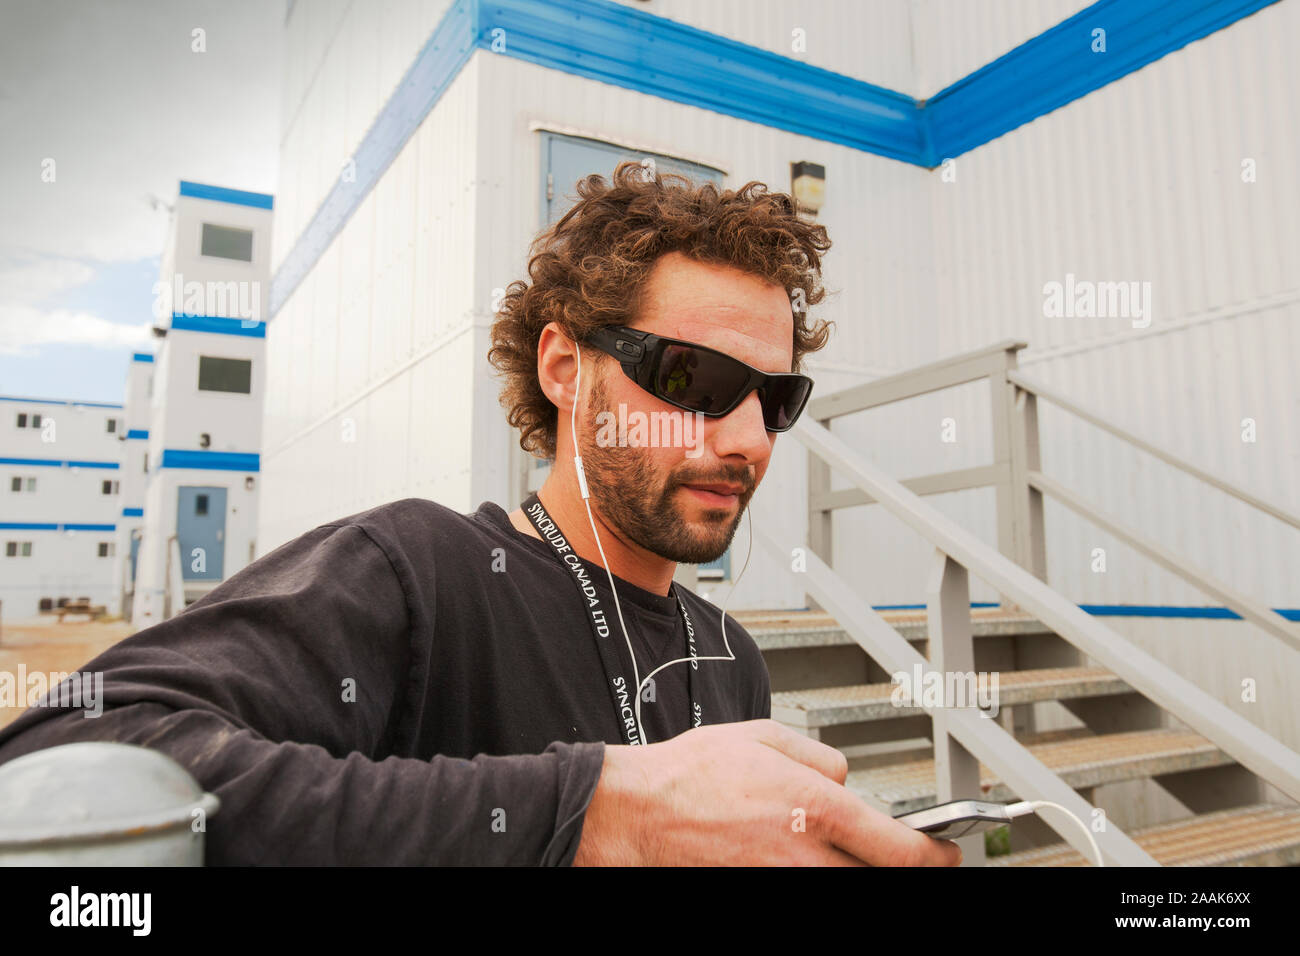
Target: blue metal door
201,531
567,159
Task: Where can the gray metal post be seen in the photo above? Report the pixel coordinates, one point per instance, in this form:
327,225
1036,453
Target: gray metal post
819,518
952,651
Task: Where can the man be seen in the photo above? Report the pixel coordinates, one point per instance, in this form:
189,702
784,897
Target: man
414,685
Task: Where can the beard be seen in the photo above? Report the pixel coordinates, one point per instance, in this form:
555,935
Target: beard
650,511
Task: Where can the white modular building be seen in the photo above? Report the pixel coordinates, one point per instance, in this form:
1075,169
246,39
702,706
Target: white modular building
973,155
135,470
199,521
1100,195
60,463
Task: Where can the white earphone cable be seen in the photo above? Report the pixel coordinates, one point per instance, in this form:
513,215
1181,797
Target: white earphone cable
1026,807
586,497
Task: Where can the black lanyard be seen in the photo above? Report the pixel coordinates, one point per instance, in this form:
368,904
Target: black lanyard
621,692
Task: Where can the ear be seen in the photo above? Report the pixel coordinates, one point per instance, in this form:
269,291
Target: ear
557,367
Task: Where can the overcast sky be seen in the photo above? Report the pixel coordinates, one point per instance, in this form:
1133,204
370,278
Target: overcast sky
116,96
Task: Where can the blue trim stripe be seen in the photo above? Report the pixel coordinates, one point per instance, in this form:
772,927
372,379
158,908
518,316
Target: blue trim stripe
215,460
639,51
58,463
1059,66
141,357
132,512
1154,610
437,64
1127,610
221,194
218,324
137,433
42,526
636,50
59,401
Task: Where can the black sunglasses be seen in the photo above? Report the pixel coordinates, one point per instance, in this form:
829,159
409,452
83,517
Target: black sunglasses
701,379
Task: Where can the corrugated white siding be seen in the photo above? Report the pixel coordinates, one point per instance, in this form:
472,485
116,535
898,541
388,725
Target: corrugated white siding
343,60
376,343
954,38
1142,181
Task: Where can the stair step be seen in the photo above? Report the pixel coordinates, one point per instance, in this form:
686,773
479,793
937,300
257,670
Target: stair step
829,706
783,630
1081,762
1258,835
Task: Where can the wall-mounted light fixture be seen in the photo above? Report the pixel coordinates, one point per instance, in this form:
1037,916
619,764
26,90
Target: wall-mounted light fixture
248,483
808,185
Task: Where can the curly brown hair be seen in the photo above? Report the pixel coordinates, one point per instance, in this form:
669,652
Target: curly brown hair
589,268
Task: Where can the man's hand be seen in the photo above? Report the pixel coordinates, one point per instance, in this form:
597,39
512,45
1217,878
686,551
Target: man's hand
727,794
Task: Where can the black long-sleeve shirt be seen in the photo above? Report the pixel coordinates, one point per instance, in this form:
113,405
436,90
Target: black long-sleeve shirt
407,685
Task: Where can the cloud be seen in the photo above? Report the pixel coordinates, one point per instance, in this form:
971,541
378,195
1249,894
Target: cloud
24,328
31,314
33,279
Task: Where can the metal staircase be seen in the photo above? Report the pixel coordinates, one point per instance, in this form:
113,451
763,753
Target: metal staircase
1136,718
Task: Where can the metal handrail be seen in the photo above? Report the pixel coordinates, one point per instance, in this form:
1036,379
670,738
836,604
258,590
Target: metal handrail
1014,764
1056,398
1246,743
931,377
1251,610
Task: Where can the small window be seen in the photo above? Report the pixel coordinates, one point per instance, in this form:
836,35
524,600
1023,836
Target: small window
36,421
145,456
11,549
106,549
22,419
226,243
16,484
225,375
106,487
200,504
27,549
112,424
31,484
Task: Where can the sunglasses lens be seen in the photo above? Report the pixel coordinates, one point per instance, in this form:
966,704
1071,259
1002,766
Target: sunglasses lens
783,401
698,380
704,381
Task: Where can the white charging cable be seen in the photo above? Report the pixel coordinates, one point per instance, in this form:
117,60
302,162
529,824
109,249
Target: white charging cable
1026,807
586,497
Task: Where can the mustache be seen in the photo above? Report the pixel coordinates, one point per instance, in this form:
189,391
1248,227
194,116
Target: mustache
740,477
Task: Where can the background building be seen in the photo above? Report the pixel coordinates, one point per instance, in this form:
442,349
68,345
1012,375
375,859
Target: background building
61,469
135,470
391,242
205,417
